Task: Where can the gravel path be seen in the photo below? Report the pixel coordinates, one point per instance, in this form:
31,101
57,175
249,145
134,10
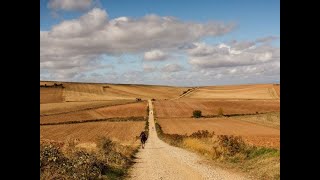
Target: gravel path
161,161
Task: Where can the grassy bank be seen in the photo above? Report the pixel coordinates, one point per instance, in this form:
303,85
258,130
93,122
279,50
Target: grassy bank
229,152
146,128
109,160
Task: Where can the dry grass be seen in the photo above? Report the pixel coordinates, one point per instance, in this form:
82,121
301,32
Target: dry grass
185,108
64,107
67,160
229,152
255,134
95,92
126,110
86,92
258,91
124,132
201,147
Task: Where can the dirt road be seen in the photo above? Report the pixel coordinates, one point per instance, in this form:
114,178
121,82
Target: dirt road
185,94
161,161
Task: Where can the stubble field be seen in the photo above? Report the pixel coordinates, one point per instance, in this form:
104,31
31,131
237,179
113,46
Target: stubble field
184,108
125,110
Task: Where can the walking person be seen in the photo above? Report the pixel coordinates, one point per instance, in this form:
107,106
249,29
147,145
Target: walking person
143,138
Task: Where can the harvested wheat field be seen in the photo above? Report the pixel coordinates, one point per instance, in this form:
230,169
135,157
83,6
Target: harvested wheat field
257,91
51,95
149,91
49,83
253,133
268,119
64,107
101,91
184,108
126,110
124,132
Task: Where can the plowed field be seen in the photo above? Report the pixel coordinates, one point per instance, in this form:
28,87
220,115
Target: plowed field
124,132
126,110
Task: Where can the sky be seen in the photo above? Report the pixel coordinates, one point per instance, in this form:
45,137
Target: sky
161,42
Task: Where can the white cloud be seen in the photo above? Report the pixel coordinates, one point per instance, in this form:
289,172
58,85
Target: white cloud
149,68
69,5
233,55
155,55
232,71
72,49
172,68
218,76
82,40
92,33
85,25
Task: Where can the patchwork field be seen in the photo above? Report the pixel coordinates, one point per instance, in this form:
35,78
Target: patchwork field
124,132
184,108
91,101
72,112
98,92
253,133
126,110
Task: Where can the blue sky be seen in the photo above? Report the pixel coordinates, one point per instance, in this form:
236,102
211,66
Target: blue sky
251,20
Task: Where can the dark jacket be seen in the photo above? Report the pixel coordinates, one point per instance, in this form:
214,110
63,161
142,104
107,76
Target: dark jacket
143,136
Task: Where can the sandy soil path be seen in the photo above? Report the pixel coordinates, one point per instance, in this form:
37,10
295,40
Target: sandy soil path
161,161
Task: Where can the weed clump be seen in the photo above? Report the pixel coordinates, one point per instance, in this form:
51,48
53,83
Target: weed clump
67,161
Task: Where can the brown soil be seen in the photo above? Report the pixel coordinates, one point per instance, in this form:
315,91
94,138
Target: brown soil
124,132
126,110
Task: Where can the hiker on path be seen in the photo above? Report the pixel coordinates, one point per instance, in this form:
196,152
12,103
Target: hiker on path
143,138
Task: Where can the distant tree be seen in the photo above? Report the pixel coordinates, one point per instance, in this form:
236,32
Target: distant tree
197,113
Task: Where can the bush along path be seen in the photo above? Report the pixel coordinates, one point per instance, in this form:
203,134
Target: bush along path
161,161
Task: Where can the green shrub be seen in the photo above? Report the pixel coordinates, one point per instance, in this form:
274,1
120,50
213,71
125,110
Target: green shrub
260,151
197,113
